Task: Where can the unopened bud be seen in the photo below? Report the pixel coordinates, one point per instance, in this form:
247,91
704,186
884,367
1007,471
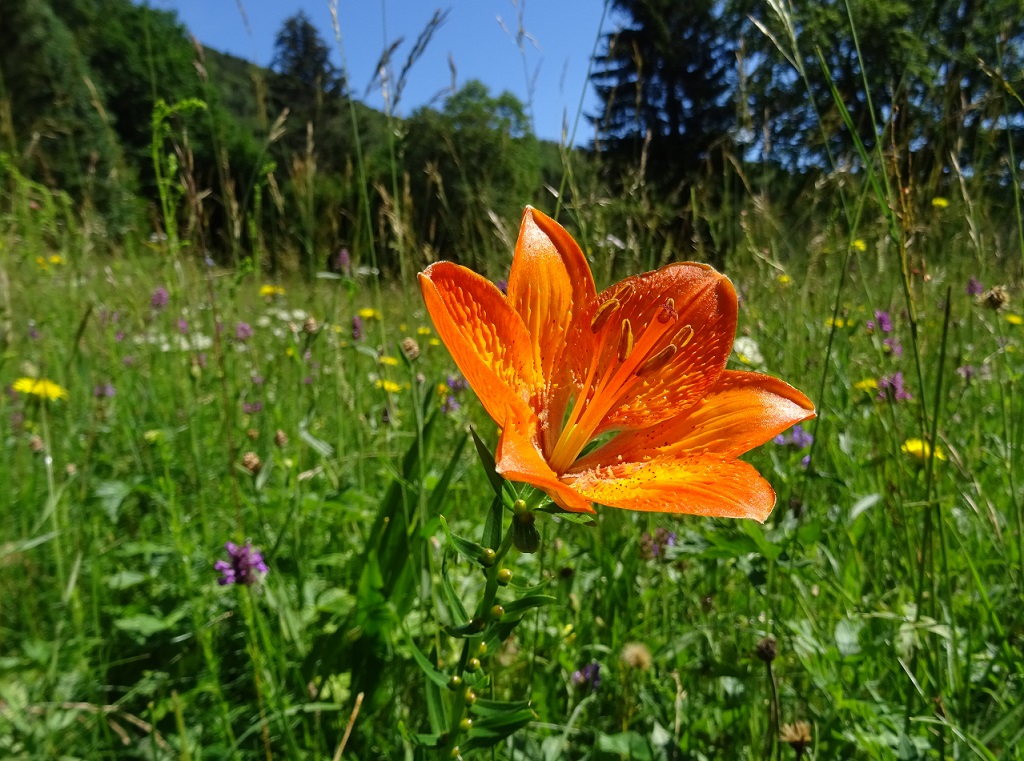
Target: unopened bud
473,664
504,576
497,612
488,556
410,348
767,649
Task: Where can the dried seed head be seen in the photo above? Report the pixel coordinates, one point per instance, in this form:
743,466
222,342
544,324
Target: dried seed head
251,462
767,649
310,325
996,297
253,434
797,735
636,655
36,445
410,348
280,439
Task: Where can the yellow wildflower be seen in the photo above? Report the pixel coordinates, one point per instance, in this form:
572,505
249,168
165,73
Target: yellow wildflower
860,245
55,259
423,330
939,202
784,279
402,327
921,449
1015,319
389,361
369,313
868,385
390,386
838,322
270,291
434,341
40,387
41,261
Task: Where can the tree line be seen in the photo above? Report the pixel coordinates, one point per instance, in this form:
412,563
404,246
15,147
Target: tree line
286,162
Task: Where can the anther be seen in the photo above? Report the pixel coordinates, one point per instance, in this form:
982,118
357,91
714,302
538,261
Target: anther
602,314
625,341
659,360
683,342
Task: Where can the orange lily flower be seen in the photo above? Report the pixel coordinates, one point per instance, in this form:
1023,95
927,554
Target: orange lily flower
638,368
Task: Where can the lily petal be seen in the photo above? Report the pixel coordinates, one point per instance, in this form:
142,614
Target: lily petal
549,285
518,459
743,411
707,485
486,338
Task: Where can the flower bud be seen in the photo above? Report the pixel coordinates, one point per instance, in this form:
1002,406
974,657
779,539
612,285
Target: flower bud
454,682
469,697
525,536
487,557
504,576
466,724
473,664
497,612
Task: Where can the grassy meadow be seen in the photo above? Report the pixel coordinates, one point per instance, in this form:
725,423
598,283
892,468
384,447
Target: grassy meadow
159,405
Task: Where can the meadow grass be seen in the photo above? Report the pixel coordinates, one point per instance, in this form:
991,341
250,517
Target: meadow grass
889,580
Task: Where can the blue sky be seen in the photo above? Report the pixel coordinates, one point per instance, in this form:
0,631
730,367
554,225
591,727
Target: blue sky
563,33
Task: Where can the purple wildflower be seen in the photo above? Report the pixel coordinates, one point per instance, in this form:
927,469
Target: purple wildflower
182,326
357,328
974,287
780,440
884,321
257,380
801,438
967,372
244,565
891,387
129,361
159,299
33,331
450,404
119,336
502,285
457,384
588,676
251,408
654,545
243,331
892,346
344,261
806,461
103,390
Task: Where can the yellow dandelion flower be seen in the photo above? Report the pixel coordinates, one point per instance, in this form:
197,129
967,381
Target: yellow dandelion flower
423,330
43,264
270,291
389,361
402,327
41,388
838,322
369,313
55,259
860,245
390,386
921,450
784,279
1015,319
442,390
939,202
434,341
290,351
868,385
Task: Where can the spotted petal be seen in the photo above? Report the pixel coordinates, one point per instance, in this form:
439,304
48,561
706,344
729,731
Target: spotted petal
706,485
743,411
486,338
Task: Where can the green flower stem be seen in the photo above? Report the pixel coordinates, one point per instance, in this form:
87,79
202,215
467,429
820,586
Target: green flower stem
482,611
